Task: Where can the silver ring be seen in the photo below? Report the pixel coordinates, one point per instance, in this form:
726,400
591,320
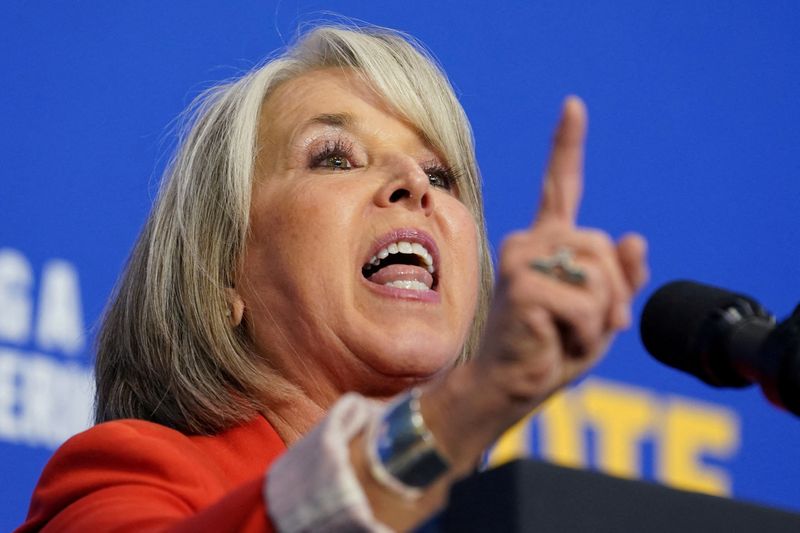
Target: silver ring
561,267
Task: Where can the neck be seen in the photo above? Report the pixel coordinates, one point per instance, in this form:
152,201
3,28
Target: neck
295,416
300,408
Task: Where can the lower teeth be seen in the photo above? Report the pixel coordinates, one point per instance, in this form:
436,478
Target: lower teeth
406,284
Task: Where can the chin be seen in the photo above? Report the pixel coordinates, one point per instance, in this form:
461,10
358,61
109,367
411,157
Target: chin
385,386
410,362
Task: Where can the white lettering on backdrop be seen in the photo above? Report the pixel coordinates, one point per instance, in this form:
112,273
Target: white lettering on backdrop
44,399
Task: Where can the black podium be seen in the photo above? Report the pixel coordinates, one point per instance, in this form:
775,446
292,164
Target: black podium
533,496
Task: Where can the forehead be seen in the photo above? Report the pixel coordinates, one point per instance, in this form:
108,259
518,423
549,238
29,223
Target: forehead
322,93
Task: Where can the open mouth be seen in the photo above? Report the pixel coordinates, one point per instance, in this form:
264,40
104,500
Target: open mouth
404,263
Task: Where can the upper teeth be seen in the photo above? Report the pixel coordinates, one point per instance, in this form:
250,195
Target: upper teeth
405,247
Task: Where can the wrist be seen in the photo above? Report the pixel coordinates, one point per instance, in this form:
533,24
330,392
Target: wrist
462,416
403,453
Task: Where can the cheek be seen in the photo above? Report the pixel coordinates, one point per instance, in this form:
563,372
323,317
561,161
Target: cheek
474,274
288,219
465,232
275,244
298,234
464,236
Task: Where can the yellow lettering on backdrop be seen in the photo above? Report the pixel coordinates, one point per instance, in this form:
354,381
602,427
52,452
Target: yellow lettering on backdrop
514,443
622,418
689,431
561,427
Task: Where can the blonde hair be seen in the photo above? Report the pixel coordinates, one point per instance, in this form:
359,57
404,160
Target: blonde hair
166,351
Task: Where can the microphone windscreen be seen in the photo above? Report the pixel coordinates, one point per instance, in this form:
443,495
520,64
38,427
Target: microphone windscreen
674,318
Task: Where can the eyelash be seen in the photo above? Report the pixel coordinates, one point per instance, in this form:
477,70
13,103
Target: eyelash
447,176
440,176
338,148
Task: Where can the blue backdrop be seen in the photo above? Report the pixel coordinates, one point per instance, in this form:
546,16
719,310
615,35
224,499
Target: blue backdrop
693,139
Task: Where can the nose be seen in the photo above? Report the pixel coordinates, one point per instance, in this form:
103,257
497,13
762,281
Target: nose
406,185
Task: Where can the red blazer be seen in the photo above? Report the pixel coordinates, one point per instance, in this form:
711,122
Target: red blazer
131,475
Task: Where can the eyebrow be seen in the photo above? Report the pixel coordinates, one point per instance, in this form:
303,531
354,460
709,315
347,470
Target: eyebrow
341,120
346,120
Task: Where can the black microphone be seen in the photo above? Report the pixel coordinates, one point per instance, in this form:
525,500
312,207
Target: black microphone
725,339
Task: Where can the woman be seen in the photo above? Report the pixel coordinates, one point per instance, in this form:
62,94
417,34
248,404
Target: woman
320,232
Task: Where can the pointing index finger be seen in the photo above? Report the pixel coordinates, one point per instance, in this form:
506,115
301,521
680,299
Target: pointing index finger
563,180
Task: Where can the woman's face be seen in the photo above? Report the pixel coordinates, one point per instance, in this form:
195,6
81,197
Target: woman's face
342,183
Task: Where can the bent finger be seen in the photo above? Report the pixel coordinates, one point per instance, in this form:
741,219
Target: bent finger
597,246
579,313
632,253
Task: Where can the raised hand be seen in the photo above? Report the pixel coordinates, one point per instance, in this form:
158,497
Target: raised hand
562,293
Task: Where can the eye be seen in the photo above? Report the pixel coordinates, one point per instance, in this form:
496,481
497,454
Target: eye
335,162
438,180
440,176
334,155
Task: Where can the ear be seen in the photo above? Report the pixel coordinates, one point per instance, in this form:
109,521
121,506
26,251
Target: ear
235,307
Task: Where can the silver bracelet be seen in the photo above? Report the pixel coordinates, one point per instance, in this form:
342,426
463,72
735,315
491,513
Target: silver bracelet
401,449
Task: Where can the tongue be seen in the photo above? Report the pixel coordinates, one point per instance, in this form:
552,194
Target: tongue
402,273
